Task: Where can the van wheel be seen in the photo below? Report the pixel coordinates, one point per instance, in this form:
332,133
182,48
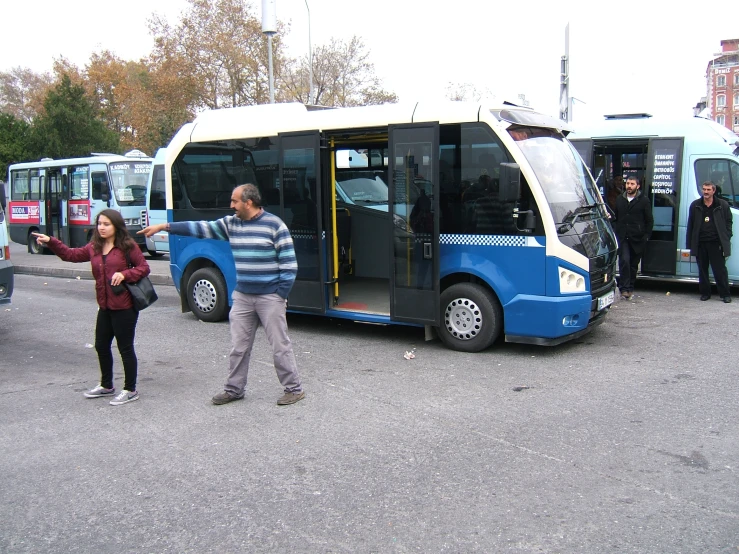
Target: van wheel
33,246
207,294
471,317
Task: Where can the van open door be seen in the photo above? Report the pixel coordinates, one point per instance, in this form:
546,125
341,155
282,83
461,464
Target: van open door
300,187
664,174
414,218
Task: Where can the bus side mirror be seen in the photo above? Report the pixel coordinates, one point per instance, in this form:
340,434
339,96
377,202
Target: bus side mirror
105,197
510,182
3,200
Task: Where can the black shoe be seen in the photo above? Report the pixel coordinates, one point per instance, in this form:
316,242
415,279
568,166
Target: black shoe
726,299
705,297
225,397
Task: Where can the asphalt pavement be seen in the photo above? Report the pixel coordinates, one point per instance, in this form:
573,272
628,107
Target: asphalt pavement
50,265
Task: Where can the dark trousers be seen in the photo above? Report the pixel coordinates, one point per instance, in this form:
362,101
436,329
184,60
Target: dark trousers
120,324
711,252
628,266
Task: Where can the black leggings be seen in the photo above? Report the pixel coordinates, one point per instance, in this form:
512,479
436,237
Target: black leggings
120,324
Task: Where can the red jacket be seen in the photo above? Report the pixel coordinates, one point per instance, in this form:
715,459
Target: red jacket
103,271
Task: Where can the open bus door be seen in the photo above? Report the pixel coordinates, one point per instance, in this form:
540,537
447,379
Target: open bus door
54,205
414,217
300,194
664,173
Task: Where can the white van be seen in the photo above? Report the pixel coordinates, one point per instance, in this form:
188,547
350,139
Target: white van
672,159
156,206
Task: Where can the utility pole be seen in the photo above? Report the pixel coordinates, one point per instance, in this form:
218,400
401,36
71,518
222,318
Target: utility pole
310,58
269,28
564,81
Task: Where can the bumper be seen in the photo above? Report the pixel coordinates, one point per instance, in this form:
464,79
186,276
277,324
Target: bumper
552,320
6,281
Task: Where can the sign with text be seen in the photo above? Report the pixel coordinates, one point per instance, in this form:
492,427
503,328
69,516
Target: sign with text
24,212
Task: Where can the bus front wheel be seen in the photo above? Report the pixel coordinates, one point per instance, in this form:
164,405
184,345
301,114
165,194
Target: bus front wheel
207,294
471,317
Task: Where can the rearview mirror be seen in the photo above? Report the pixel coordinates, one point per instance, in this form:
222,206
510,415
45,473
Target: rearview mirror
510,182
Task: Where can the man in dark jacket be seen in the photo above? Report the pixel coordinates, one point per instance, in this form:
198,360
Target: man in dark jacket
633,226
709,239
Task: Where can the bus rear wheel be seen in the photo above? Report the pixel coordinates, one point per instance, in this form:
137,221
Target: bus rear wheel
33,246
471,318
207,294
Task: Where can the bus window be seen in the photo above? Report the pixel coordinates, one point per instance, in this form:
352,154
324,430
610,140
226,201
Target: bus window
35,189
721,173
158,199
80,187
100,186
19,185
469,171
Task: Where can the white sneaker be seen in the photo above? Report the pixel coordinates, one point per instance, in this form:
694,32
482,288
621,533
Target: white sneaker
99,391
124,397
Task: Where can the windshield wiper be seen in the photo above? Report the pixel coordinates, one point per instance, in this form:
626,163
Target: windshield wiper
569,220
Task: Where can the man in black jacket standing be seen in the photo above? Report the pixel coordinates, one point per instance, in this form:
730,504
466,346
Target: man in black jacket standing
709,239
633,225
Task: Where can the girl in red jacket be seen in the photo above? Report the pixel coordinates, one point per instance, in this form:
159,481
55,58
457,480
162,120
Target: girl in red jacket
116,317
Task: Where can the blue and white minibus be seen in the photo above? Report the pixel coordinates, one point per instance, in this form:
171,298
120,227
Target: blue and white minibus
62,198
156,208
672,159
478,222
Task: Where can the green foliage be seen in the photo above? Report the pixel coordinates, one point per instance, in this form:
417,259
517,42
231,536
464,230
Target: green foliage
70,125
14,142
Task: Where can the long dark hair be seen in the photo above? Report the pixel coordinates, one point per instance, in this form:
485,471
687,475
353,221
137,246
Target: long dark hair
122,239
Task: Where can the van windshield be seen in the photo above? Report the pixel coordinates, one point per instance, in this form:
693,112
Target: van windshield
560,170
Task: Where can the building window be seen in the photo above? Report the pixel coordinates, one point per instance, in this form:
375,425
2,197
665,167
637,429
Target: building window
736,79
721,120
736,121
721,81
736,99
721,100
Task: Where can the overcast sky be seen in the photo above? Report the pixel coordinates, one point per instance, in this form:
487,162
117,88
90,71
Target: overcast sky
625,56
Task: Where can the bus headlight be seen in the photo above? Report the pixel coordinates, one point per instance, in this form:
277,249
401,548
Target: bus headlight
569,281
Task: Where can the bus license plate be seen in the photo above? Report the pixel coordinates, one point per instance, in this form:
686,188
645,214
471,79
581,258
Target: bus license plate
607,300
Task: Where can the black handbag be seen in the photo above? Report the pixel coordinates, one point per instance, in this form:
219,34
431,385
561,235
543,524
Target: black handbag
142,292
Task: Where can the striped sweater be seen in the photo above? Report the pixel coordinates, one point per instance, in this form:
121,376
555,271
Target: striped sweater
262,248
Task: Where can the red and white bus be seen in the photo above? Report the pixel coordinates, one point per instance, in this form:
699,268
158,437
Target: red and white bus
62,198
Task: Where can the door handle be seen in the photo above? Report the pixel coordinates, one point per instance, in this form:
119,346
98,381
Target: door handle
427,251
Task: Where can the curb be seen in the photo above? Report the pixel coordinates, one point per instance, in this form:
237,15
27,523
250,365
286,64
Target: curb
20,269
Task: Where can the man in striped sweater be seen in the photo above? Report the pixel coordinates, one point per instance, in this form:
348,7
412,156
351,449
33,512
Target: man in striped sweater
265,272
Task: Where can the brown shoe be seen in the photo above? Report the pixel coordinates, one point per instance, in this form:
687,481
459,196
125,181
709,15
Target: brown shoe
290,398
225,397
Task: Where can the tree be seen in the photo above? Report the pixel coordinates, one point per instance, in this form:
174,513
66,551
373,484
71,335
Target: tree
69,126
14,142
22,92
220,45
342,74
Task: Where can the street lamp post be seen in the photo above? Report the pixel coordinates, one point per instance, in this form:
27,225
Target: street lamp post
310,58
269,28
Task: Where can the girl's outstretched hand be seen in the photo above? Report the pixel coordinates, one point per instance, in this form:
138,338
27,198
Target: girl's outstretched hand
41,238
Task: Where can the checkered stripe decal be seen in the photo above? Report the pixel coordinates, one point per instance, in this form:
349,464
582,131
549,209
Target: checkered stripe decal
483,240
307,236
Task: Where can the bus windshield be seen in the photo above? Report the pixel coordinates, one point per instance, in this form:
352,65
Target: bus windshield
129,182
559,168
